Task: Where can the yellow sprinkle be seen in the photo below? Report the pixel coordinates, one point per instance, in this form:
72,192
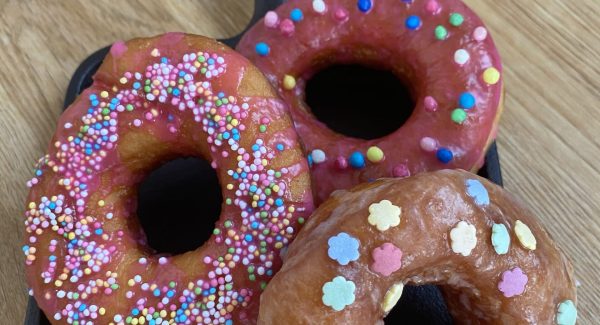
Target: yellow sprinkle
71,235
58,283
134,321
217,118
31,258
131,283
32,205
392,296
375,154
230,186
491,76
104,94
123,80
87,271
234,122
525,236
278,245
163,313
276,188
291,209
142,319
86,257
101,311
289,82
101,203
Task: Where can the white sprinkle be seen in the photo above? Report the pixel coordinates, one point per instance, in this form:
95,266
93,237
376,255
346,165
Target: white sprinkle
480,33
461,56
319,6
318,156
464,238
162,260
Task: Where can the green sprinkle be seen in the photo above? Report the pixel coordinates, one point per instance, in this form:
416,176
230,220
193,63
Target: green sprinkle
231,250
172,284
263,285
264,214
250,269
441,33
225,101
105,111
262,128
228,224
218,102
266,231
300,220
201,58
228,286
203,70
277,174
216,231
197,291
147,89
228,201
456,19
459,115
252,277
268,191
129,107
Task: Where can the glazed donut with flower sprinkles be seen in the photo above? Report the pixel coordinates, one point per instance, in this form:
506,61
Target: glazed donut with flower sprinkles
439,48
153,100
493,261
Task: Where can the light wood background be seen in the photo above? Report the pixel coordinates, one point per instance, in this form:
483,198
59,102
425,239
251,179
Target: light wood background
549,138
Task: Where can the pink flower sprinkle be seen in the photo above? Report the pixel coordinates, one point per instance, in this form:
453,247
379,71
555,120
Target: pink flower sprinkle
387,259
287,28
513,282
431,104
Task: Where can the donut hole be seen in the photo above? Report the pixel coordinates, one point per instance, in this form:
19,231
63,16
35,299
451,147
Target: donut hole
178,205
359,101
420,305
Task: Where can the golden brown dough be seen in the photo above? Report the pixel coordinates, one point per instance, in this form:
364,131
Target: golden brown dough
492,259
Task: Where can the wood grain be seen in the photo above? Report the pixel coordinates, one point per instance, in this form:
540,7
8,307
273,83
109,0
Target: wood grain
549,138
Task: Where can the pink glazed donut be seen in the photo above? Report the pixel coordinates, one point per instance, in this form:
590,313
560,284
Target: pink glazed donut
439,47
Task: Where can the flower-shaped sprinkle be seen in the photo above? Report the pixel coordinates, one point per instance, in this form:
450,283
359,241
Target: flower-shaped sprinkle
464,238
338,293
477,191
387,259
343,248
567,313
526,237
500,238
392,296
384,215
513,282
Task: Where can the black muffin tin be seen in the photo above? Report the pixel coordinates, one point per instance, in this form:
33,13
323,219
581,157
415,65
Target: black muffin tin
418,305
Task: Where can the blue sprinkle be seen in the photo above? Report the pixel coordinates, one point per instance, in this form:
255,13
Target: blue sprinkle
236,137
176,92
364,5
52,258
98,231
52,205
221,95
135,311
244,174
182,318
269,272
88,151
93,96
229,322
38,172
95,102
248,238
181,73
444,155
296,15
262,49
280,147
170,117
156,292
253,188
82,307
477,191
255,225
170,293
226,135
136,85
413,22
260,204
75,316
279,202
211,61
466,100
152,322
255,147
25,248
357,160
164,60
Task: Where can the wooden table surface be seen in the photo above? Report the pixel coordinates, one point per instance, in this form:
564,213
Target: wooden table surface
549,139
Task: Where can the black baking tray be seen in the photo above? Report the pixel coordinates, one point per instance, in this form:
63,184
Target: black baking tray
418,305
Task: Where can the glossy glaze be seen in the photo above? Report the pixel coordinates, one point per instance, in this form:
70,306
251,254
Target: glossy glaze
431,243
153,100
339,32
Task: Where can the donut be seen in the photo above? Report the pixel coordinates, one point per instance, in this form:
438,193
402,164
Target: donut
492,259
153,100
439,48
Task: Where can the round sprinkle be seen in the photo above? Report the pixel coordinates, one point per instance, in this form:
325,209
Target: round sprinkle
318,156
287,27
461,56
444,155
459,116
289,82
491,76
431,104
262,49
428,144
413,22
466,100
271,19
441,33
356,160
375,154
433,7
296,15
364,5
319,6
456,19
480,34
